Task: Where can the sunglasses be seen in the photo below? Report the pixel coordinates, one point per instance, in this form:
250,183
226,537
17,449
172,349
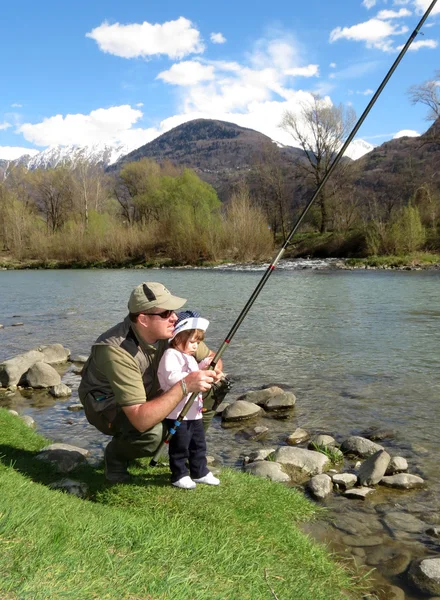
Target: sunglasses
166,314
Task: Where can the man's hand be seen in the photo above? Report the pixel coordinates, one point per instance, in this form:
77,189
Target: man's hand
200,381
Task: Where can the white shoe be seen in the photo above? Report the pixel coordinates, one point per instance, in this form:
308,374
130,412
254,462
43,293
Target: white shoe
186,483
209,479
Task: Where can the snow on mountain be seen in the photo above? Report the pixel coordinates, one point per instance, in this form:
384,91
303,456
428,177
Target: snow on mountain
103,154
358,148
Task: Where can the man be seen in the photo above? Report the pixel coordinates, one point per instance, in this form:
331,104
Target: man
119,388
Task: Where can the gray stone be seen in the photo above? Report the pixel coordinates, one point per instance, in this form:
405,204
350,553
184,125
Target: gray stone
434,532
360,446
358,524
54,354
404,522
397,465
42,375
363,541
60,391
307,461
260,396
13,369
29,421
76,488
268,470
373,469
324,441
18,324
240,411
75,407
79,358
256,433
389,560
403,481
63,456
320,486
298,436
13,412
261,454
424,574
280,402
345,480
358,493
1,326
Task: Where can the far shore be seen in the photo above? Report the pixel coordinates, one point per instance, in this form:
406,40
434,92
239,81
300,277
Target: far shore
413,262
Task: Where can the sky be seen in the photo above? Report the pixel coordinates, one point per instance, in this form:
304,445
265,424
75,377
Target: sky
85,73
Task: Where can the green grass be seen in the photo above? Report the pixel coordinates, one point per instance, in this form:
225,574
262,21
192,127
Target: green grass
150,541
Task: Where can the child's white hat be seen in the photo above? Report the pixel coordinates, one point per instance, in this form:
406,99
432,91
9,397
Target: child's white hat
189,320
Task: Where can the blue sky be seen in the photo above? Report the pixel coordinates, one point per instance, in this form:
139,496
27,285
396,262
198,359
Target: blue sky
125,72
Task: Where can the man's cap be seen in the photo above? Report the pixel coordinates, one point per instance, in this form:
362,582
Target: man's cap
153,295
189,319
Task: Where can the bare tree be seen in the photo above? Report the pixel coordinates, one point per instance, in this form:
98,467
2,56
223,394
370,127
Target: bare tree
428,93
53,191
320,129
91,188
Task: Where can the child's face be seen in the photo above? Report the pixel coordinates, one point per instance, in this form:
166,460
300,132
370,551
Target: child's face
190,347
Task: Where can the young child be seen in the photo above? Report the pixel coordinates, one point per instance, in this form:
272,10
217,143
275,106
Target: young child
188,444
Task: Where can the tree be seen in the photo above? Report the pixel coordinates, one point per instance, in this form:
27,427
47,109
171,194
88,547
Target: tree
53,192
428,93
90,189
320,129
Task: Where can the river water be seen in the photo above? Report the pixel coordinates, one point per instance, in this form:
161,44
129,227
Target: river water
360,349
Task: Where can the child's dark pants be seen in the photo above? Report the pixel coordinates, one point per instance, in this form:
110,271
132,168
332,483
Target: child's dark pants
187,445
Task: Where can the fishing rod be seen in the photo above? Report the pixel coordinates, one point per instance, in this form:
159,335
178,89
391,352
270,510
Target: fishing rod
275,261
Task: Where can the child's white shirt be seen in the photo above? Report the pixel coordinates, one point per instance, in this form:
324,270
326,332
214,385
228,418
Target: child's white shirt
173,367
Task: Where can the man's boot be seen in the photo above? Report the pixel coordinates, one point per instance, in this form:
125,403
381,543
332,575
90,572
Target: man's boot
115,467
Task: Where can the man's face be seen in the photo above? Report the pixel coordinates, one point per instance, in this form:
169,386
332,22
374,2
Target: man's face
158,325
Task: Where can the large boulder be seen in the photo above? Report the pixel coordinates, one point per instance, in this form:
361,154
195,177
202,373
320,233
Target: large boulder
320,486
64,457
240,411
308,462
425,575
42,375
271,399
268,470
360,446
373,469
13,369
402,481
54,354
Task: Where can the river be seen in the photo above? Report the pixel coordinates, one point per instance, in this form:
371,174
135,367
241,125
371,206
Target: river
360,349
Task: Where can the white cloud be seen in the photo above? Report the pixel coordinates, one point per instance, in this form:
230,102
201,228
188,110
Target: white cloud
139,104
309,71
406,133
14,152
101,125
16,105
186,73
393,14
369,3
5,125
217,38
367,92
375,33
421,44
175,39
401,2
332,65
422,6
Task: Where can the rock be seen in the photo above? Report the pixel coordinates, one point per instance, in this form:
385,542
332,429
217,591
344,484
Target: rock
79,370
345,480
267,469
241,410
358,493
320,486
1,326
12,370
390,561
397,465
403,481
434,532
424,574
271,399
358,524
75,407
54,354
63,456
13,412
42,375
60,391
280,402
260,396
16,324
298,436
323,441
256,433
373,469
363,541
261,454
360,446
403,522
76,488
79,358
29,421
377,435
307,461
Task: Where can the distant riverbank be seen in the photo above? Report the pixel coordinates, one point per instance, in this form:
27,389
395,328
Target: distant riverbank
417,261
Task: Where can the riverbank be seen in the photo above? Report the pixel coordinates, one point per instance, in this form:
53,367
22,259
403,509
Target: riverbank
149,540
416,261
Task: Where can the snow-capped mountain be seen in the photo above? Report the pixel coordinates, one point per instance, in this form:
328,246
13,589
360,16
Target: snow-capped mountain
102,154
358,148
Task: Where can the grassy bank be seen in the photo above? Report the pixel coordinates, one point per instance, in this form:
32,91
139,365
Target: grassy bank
149,541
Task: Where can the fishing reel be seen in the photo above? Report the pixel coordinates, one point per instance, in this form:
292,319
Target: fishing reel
219,391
